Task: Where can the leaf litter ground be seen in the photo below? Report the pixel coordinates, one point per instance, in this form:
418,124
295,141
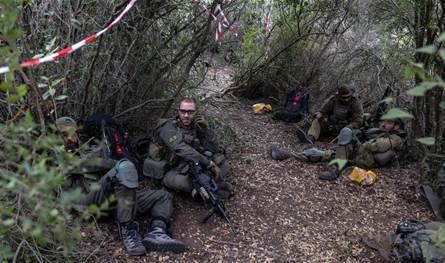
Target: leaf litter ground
282,211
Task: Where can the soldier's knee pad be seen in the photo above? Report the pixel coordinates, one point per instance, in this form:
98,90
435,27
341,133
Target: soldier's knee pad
345,136
384,158
127,174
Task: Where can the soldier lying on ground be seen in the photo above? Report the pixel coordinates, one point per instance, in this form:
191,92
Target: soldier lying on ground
413,242
339,111
120,178
378,148
182,139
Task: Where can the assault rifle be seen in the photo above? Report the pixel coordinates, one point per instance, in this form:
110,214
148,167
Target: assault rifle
207,188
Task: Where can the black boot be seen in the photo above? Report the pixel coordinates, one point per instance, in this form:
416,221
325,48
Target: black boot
131,238
278,154
330,174
157,239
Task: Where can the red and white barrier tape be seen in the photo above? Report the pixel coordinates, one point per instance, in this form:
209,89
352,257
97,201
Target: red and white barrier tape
220,18
74,47
225,21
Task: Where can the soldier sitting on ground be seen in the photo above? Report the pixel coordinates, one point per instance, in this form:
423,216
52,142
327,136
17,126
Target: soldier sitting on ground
120,178
339,111
379,148
183,139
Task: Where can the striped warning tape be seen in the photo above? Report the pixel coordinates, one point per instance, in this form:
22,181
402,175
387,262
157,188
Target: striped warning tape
74,47
220,18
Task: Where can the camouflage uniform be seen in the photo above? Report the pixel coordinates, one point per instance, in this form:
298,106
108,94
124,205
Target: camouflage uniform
177,144
365,154
121,179
336,115
360,154
413,242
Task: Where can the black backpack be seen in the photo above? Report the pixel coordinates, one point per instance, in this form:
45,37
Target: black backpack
295,108
118,145
102,127
297,101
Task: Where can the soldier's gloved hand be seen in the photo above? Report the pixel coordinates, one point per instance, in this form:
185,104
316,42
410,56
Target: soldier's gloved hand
200,122
214,169
318,115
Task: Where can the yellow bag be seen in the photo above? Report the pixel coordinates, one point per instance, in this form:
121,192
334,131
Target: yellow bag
261,108
363,177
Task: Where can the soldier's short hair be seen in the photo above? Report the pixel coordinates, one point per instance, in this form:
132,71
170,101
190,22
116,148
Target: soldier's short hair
188,100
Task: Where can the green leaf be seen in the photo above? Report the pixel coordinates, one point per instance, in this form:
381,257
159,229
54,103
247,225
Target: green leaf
388,100
9,222
427,140
396,113
61,97
12,98
49,93
418,91
13,34
422,88
442,104
22,90
341,163
442,37
51,44
442,54
5,86
427,49
414,69
57,81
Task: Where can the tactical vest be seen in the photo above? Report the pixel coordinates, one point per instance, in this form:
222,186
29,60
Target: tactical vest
159,151
343,112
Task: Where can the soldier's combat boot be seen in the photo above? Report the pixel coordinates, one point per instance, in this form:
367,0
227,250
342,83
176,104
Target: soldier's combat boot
278,154
157,239
304,138
131,238
330,174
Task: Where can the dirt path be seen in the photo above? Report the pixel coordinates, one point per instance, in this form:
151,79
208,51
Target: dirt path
282,211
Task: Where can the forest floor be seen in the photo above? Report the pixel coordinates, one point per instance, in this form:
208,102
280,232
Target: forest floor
282,211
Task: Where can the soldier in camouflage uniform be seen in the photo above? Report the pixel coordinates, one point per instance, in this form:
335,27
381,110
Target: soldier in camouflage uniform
178,141
120,178
378,149
412,242
339,111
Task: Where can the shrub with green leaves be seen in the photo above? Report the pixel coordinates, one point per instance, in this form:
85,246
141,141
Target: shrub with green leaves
36,222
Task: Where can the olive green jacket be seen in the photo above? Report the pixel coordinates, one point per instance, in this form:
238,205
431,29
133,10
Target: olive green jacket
185,143
354,111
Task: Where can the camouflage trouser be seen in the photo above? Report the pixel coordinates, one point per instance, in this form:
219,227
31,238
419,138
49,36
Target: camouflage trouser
122,182
356,154
319,126
179,179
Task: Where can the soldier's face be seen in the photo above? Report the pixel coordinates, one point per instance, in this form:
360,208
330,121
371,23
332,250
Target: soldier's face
69,137
187,111
345,99
390,125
